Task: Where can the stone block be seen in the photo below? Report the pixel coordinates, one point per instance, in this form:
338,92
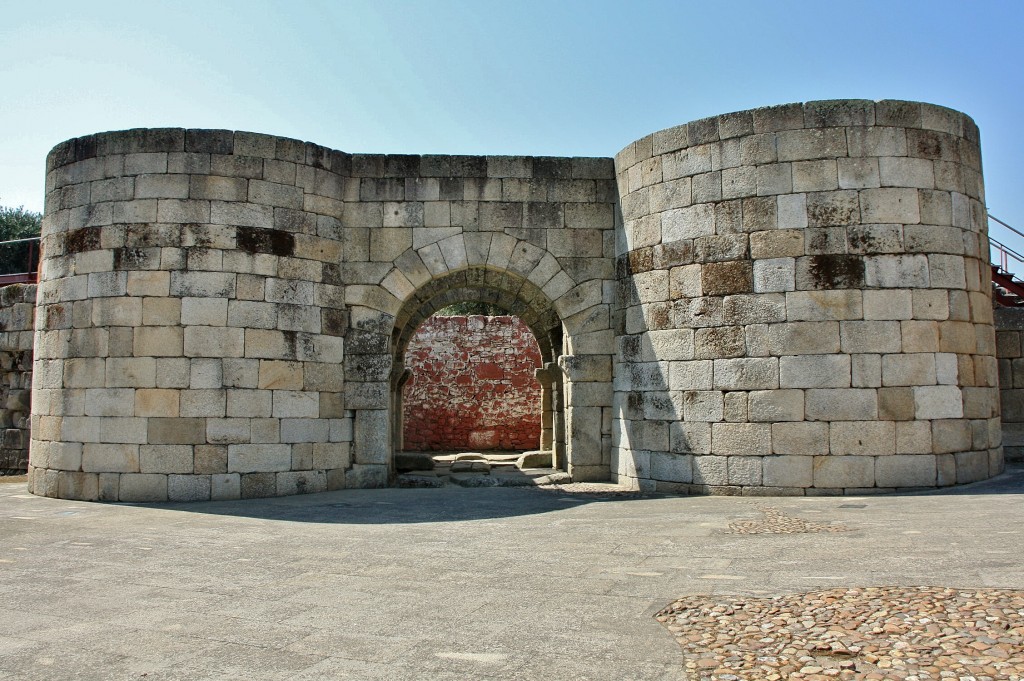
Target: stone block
870,438
158,341
866,371
908,369
258,485
301,482
841,404
209,459
824,305
918,470
331,455
870,336
815,176
744,470
788,471
735,407
746,373
671,467
711,470
913,437
776,405
890,205
888,305
259,458
177,431
225,487
858,173
774,274
938,402
801,438
725,278
804,338
741,439
295,404
714,342
844,471
130,372
780,243
896,404
142,487
815,371
366,476
689,437
951,436
706,406
188,487
971,466
77,485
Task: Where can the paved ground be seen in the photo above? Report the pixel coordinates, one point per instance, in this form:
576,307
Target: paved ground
447,583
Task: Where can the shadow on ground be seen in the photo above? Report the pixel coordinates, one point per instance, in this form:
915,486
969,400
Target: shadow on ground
455,504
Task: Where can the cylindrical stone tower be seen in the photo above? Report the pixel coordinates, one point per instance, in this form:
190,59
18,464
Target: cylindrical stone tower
190,319
805,303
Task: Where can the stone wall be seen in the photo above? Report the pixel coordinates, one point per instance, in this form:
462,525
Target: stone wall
223,314
1010,350
17,316
472,385
792,299
806,302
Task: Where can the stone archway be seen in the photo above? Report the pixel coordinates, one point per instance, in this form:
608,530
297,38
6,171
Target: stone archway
518,297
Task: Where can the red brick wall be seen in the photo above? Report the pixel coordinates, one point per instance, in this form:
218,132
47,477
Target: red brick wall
472,385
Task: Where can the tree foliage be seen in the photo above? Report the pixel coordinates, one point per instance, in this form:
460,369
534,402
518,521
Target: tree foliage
18,223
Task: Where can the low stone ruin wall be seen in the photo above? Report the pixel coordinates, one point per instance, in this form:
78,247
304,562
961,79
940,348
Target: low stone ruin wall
1010,351
472,385
17,314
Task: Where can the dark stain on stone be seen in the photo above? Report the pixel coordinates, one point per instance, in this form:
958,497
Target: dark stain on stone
335,322
724,278
130,258
269,241
836,271
928,145
641,260
291,344
81,240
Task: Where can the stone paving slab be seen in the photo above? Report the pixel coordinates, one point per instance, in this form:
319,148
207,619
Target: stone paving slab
448,583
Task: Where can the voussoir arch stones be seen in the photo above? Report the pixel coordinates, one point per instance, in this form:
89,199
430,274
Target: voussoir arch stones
791,299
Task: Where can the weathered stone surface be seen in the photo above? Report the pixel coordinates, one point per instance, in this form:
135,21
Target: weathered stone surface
798,281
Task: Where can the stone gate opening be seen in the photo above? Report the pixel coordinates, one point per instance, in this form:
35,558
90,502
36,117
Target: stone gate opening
530,308
473,386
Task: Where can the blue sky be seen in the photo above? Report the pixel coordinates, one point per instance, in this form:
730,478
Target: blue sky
482,76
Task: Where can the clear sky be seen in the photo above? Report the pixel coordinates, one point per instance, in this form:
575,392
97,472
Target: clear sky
536,77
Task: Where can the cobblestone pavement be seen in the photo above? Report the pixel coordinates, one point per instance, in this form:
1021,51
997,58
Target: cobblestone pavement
494,583
777,522
917,634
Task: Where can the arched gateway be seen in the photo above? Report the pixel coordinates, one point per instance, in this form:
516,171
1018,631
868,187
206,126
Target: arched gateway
792,298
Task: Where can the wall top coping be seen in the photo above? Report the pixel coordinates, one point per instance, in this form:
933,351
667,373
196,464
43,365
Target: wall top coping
800,116
257,145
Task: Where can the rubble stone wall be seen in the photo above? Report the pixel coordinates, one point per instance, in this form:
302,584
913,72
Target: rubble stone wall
472,385
806,302
17,315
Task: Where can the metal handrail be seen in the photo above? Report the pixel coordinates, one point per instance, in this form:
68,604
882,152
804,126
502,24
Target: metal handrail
1003,248
993,217
29,277
31,238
